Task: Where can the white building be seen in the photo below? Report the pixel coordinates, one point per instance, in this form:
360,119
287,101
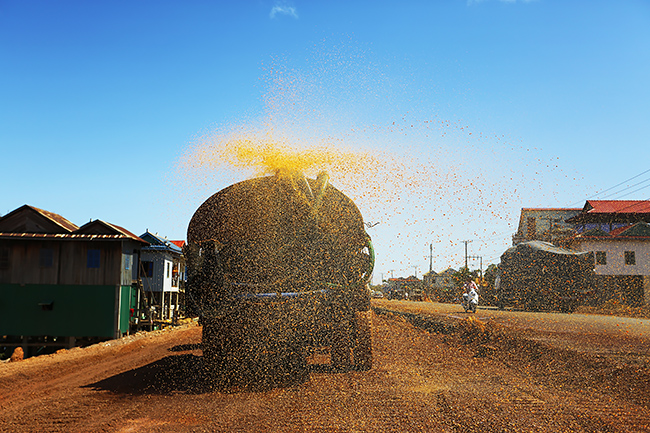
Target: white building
162,274
622,260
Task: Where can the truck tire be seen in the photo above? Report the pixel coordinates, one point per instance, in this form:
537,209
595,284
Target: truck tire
567,307
341,346
225,360
362,350
212,356
292,366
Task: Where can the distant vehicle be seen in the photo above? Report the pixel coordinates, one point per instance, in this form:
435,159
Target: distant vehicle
377,294
470,298
398,294
538,276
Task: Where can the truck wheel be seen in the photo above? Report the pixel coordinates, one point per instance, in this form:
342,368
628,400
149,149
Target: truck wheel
341,346
224,362
362,350
293,366
567,307
211,350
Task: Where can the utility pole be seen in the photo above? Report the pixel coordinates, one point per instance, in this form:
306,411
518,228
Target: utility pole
415,268
466,242
480,268
430,257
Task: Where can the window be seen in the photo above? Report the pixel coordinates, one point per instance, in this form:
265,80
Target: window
630,259
93,259
601,258
175,276
147,269
5,261
46,258
127,261
168,266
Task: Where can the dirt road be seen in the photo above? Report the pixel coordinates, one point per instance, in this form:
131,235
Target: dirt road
623,338
473,378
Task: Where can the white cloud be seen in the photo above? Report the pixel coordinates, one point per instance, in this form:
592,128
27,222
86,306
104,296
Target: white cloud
283,9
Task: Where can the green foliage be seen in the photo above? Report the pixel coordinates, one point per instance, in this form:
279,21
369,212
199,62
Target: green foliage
463,275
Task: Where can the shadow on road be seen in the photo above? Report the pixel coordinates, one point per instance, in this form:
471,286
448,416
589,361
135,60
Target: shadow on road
185,374
171,374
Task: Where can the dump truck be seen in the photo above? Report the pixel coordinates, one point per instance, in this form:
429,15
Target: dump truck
278,269
537,276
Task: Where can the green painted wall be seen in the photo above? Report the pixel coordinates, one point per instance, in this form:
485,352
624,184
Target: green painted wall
77,310
127,302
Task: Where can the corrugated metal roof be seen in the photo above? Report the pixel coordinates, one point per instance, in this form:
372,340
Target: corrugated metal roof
619,230
101,227
126,232
70,236
179,244
638,230
552,209
56,218
93,230
154,239
53,217
617,206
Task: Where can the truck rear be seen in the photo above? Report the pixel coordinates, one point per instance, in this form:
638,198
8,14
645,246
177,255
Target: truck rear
537,275
278,269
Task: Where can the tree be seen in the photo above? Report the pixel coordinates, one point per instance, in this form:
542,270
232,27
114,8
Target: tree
463,275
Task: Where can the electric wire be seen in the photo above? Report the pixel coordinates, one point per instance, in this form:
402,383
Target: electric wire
616,186
596,194
631,186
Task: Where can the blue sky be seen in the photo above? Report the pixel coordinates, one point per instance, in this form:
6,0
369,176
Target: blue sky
483,107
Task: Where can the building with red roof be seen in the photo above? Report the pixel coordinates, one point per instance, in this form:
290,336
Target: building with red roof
608,215
618,232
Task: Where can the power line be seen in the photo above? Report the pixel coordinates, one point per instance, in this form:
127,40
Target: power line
611,188
616,186
631,186
632,192
504,235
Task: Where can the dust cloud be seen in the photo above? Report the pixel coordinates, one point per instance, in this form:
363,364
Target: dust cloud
418,178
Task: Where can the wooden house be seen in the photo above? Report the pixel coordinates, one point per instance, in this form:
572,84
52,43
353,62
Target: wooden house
61,284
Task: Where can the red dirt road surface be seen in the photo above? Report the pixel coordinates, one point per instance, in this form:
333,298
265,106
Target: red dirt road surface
472,377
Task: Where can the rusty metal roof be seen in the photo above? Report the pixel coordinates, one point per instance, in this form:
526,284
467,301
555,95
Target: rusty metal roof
616,206
93,230
551,209
613,210
179,244
56,218
101,227
51,216
70,236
